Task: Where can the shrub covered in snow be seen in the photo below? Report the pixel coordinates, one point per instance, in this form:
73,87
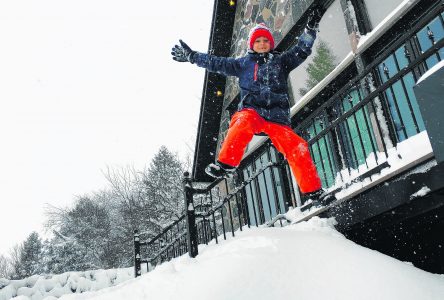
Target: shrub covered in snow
39,287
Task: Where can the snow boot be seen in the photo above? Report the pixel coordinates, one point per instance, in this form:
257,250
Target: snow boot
219,170
321,197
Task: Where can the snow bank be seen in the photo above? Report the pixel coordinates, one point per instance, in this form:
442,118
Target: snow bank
49,287
310,260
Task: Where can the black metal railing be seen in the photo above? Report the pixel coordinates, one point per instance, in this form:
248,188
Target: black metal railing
351,133
211,213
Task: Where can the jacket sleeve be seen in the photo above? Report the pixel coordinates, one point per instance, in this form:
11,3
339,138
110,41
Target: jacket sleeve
299,52
228,66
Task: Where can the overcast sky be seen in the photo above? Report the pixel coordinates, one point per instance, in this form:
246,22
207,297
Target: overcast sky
87,84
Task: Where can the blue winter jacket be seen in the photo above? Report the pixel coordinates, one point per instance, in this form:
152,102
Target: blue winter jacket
263,77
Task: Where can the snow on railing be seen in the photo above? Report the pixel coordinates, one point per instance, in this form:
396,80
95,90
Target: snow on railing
405,155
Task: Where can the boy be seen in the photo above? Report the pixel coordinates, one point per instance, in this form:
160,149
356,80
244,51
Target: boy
264,106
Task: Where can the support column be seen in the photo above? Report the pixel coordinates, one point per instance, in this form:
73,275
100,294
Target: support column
191,217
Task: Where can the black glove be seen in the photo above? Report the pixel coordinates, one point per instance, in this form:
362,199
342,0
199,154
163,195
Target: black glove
315,17
182,53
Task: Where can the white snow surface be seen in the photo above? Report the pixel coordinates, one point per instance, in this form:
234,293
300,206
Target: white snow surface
48,287
431,71
309,260
422,192
406,155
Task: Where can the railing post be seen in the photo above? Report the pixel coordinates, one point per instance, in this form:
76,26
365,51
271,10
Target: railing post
137,259
191,217
286,182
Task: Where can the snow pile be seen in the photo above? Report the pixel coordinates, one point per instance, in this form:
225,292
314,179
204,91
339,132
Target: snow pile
421,193
54,286
310,260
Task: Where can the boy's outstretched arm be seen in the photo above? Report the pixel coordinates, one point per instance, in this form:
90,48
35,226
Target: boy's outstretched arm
224,65
299,52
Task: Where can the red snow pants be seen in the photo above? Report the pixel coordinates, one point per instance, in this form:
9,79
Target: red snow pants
246,123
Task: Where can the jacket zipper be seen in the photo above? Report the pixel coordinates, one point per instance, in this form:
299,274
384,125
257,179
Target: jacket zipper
256,67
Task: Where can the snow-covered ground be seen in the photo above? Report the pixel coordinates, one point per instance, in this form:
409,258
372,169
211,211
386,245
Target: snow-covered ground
309,260
54,286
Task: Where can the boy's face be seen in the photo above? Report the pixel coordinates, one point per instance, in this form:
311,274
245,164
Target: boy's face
261,45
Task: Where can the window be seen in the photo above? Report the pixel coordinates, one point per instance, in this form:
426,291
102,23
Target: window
353,138
351,132
331,46
251,197
428,36
264,194
378,10
360,141
399,96
322,153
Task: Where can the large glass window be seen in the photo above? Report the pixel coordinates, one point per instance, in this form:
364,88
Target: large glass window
401,101
322,151
254,211
331,46
264,194
349,136
400,98
428,36
354,136
378,10
361,140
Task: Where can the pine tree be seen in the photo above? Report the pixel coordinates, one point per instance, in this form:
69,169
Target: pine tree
30,256
63,254
322,64
164,185
85,237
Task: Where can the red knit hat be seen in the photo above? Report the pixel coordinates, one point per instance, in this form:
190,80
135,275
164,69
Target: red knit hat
260,30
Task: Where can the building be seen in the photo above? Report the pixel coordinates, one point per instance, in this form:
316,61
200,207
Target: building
354,101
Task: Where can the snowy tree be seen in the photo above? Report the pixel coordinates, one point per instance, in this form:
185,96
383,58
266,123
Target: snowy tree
26,257
151,198
15,255
322,64
62,254
84,238
133,209
164,185
30,256
5,267
97,232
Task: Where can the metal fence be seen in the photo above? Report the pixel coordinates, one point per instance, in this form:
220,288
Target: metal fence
211,213
350,134
349,137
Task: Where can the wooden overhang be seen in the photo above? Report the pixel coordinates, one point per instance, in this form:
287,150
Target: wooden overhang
212,102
